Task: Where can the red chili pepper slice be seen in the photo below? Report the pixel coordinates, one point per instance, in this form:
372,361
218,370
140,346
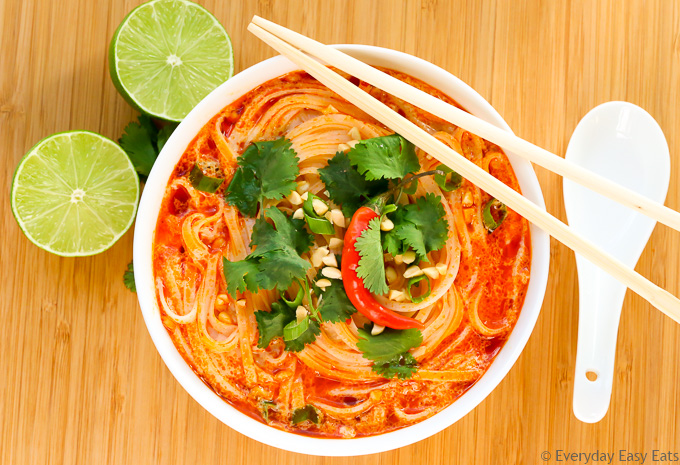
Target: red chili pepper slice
364,302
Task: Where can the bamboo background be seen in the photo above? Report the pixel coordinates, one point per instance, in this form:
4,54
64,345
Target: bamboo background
80,380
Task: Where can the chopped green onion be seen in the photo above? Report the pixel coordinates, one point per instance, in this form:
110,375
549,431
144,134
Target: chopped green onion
412,282
389,208
449,181
317,224
308,206
298,298
202,182
294,330
308,412
492,210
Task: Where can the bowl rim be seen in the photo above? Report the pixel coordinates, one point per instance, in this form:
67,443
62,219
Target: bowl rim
147,217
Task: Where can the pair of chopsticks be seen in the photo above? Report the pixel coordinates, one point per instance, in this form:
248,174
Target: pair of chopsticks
301,50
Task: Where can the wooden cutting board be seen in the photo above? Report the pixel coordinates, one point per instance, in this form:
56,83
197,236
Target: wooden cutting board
80,380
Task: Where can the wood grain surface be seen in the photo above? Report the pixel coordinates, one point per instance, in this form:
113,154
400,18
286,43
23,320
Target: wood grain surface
80,380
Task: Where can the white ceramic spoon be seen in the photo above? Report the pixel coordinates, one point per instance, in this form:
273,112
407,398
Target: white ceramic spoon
622,142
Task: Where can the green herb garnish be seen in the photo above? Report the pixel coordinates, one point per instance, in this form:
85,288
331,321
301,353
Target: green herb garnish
334,305
129,278
371,267
203,182
346,186
317,224
270,324
402,366
412,282
420,226
267,170
276,261
387,157
389,351
450,181
306,413
273,324
493,214
298,298
143,141
266,406
295,329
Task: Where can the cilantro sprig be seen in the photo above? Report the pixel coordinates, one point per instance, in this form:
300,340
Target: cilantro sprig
389,351
364,172
334,306
271,326
129,278
420,226
306,413
346,186
143,141
267,170
387,157
276,260
371,265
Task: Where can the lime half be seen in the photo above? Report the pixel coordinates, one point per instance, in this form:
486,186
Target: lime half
75,193
167,55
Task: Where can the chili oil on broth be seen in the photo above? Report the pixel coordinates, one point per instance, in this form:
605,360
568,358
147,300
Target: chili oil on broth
468,316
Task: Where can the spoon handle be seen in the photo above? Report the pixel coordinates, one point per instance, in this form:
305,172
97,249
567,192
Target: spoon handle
600,301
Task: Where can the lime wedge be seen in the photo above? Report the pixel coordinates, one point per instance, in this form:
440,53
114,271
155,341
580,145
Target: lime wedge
75,193
167,55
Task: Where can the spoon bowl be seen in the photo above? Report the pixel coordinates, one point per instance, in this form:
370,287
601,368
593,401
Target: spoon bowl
622,142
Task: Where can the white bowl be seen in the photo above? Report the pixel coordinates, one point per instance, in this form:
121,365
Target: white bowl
146,223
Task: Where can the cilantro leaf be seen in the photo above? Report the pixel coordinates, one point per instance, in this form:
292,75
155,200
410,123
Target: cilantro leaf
289,232
129,278
388,157
346,186
388,344
143,141
241,275
410,236
420,226
280,268
335,306
139,146
371,265
267,170
270,324
392,244
164,135
244,192
403,366
276,260
308,412
389,351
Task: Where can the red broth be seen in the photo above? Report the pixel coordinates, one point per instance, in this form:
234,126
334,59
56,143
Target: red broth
488,273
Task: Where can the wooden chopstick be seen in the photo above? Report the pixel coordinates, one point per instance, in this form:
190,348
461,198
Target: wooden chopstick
658,297
475,125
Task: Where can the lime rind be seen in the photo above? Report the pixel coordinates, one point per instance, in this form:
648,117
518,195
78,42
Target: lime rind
164,62
46,180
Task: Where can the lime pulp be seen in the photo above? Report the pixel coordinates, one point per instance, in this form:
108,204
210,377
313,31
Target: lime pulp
167,55
75,193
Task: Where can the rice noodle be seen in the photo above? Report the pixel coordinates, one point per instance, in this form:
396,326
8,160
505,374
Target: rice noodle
217,332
